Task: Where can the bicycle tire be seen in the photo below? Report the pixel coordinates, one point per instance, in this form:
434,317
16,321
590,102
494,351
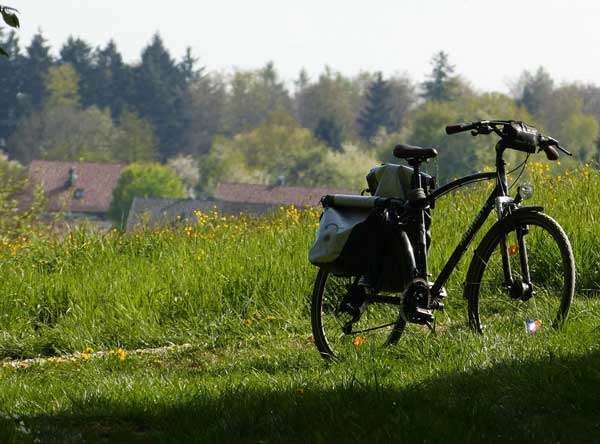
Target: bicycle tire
552,270
331,341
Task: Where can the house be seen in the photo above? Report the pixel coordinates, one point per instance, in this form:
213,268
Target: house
229,199
77,189
274,194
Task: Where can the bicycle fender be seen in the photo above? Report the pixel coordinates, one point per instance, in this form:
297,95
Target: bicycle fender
501,224
530,209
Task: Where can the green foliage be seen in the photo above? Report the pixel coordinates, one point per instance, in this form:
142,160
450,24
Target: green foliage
254,96
135,140
442,85
9,15
65,133
62,86
329,131
143,180
461,154
534,90
376,112
21,208
332,97
278,148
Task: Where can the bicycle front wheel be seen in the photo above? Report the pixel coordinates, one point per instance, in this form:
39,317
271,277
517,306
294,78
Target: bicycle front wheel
344,322
541,263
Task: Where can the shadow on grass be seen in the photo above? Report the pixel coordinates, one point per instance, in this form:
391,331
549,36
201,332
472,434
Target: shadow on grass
550,400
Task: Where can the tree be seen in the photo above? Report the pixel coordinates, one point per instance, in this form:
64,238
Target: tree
333,97
35,69
330,131
253,96
61,130
135,140
442,85
533,90
186,169
112,79
376,112
280,149
143,180
62,86
79,54
10,84
158,94
563,118
203,114
403,97
461,153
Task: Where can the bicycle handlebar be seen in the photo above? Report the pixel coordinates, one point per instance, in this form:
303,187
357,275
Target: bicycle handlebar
459,128
516,135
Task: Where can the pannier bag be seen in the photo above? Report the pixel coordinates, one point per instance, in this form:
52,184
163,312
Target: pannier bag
345,214
335,228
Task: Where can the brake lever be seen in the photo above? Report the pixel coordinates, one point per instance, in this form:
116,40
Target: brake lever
568,153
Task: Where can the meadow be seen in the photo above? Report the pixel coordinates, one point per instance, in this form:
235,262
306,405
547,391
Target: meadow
236,292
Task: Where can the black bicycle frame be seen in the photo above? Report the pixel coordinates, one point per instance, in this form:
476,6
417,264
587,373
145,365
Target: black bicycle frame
501,189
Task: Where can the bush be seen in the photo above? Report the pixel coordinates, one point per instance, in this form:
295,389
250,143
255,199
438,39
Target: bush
143,180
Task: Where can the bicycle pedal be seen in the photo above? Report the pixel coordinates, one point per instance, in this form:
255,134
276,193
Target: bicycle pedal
423,315
442,293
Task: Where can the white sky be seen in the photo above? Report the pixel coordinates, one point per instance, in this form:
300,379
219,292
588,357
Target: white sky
489,42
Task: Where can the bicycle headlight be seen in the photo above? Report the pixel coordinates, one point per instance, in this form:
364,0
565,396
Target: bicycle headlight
525,190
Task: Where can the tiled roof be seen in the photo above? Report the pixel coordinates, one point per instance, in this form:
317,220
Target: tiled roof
274,195
153,211
90,192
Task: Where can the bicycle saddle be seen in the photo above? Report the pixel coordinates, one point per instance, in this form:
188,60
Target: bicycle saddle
403,151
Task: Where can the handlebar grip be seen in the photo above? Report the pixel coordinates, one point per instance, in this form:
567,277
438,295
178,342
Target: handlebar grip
551,153
459,128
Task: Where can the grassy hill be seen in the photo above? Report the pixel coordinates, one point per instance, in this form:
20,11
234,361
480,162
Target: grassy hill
238,290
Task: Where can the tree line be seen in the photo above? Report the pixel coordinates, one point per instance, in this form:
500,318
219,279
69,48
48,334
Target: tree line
251,125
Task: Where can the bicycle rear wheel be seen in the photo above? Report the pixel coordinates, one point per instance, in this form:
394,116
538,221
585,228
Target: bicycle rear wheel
336,300
537,246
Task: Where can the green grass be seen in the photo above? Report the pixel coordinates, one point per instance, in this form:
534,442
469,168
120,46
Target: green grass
239,293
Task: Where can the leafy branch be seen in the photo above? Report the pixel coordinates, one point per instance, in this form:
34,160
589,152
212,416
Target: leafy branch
9,15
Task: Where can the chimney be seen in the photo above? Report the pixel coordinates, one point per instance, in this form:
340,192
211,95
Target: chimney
71,178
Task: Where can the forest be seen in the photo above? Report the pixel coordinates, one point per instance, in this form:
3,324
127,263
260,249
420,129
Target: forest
252,126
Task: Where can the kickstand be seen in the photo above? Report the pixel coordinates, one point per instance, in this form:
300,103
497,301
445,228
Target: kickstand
431,326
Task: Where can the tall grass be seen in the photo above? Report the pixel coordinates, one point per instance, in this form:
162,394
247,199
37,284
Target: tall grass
205,277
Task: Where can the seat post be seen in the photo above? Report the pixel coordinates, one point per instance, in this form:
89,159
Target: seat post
416,177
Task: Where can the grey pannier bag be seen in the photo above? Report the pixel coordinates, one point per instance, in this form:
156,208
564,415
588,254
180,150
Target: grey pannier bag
340,221
389,180
353,237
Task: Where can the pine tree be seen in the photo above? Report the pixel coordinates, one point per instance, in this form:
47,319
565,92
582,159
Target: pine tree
35,69
376,112
158,95
330,131
112,79
10,85
79,54
442,83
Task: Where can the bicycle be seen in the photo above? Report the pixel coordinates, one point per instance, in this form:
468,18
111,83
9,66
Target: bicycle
521,276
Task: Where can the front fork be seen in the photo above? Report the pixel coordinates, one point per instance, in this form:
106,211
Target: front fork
519,288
